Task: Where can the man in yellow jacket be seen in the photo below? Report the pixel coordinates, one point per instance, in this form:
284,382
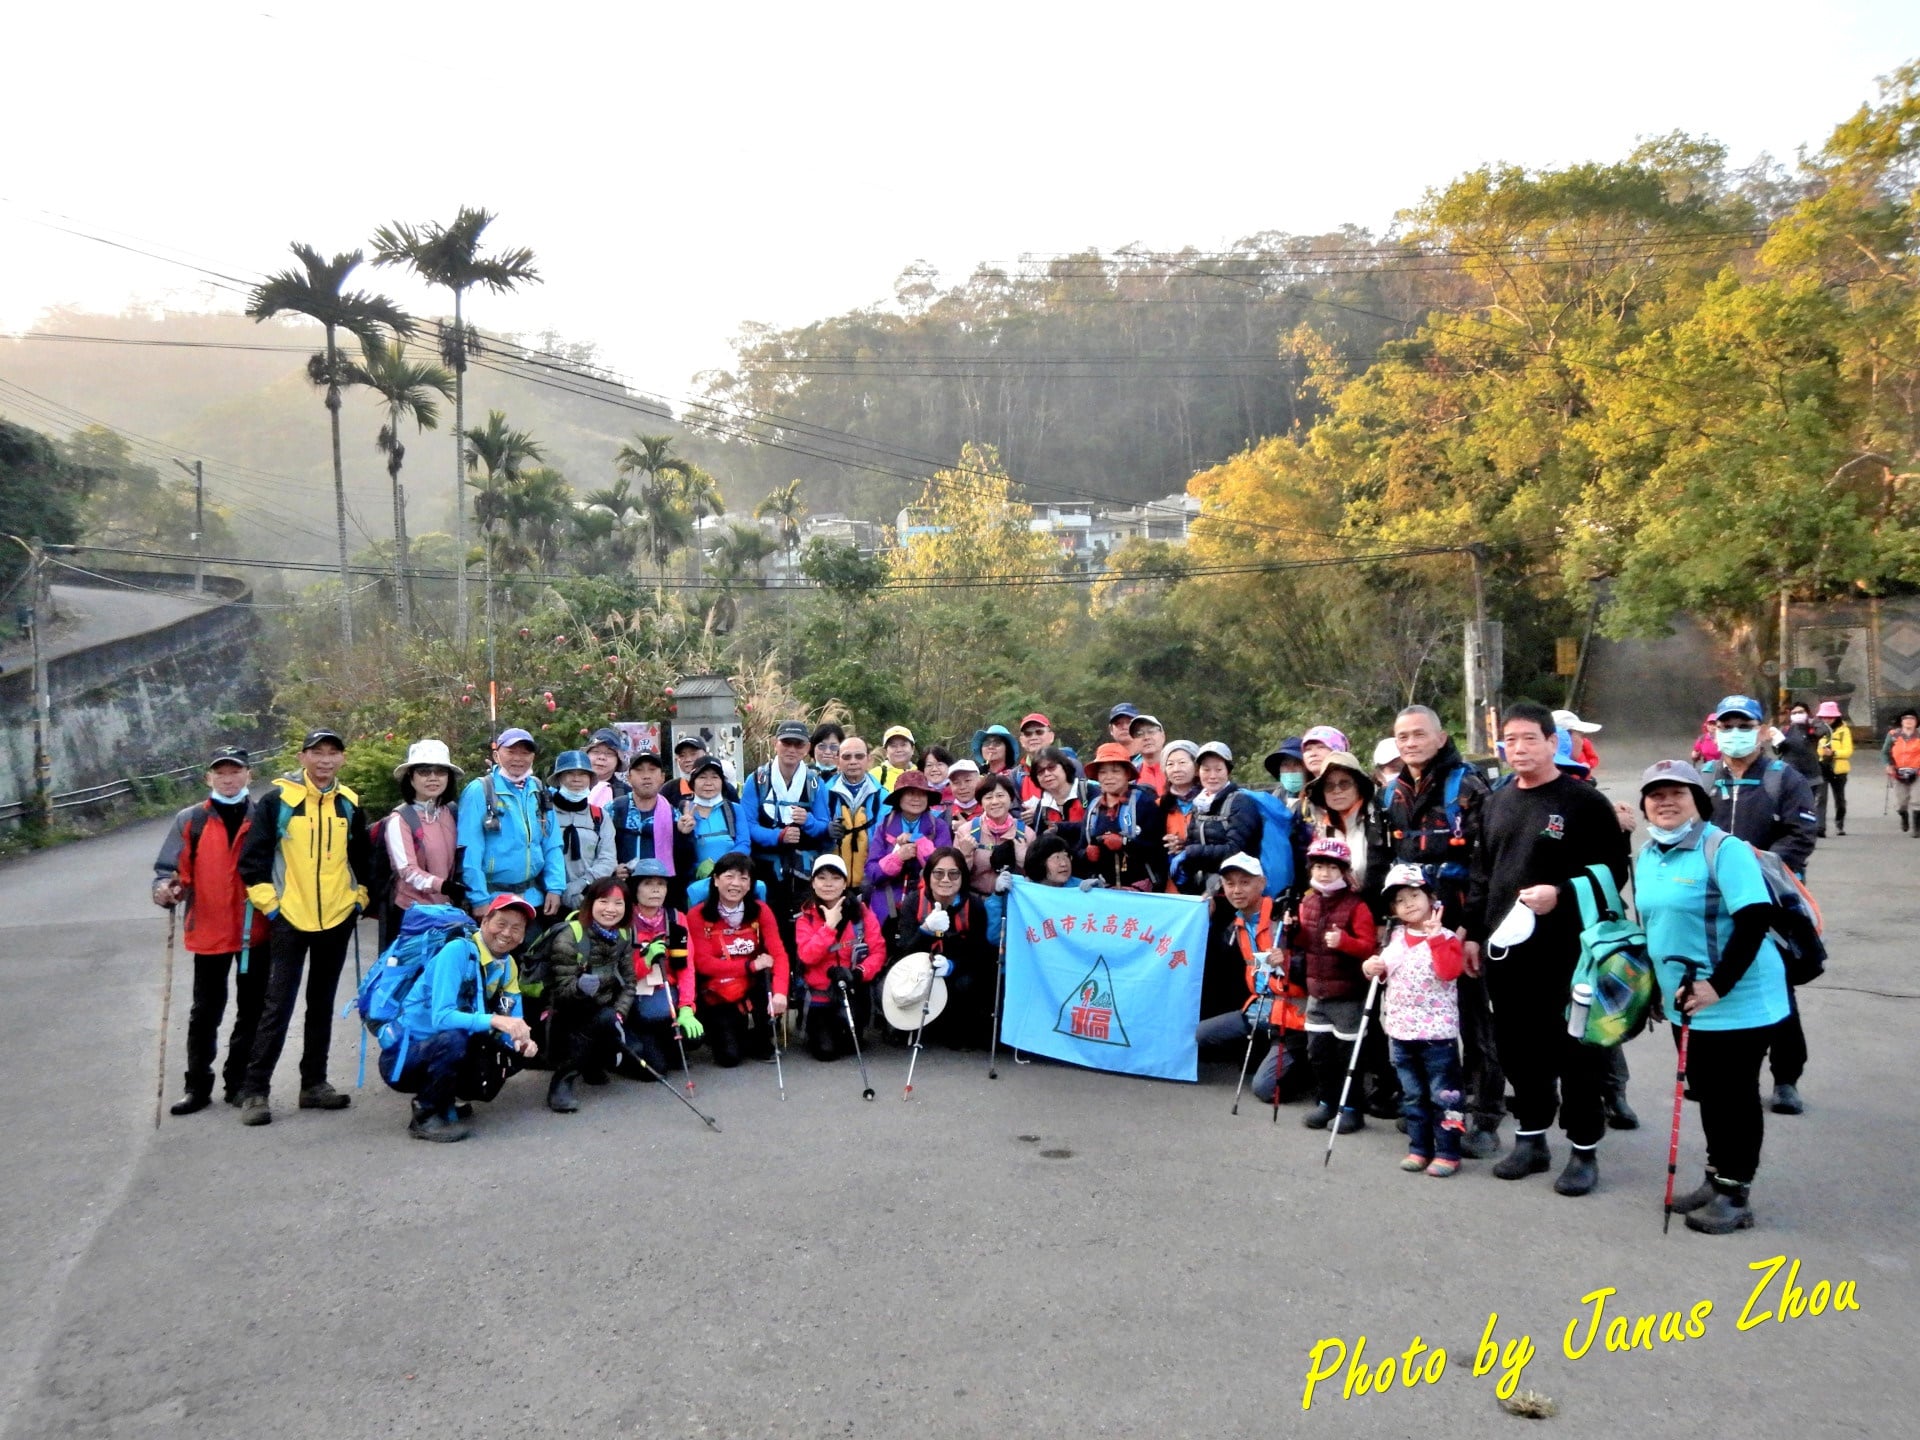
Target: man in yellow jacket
305,854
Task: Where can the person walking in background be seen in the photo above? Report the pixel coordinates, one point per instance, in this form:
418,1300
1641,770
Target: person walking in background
1900,752
199,865
1836,760
1798,743
1570,724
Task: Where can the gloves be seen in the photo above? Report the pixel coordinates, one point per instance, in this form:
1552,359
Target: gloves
936,924
839,975
589,984
689,1023
1094,884
1093,854
1004,883
1113,841
836,832
942,966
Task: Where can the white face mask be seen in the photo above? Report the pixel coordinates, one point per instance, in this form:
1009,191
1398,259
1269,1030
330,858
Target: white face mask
1516,929
576,793
1669,837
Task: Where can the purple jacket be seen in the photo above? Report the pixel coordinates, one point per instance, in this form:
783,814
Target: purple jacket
889,877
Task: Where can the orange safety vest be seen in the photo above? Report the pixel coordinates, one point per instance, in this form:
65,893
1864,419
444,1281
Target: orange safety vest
1289,999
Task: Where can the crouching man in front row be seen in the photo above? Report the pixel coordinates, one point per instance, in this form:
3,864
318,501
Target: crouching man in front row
464,1032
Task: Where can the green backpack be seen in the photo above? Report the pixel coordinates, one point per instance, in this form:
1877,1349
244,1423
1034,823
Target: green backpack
1613,962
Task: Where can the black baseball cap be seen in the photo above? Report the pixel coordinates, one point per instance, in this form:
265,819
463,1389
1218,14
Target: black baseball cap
794,730
688,742
320,736
230,755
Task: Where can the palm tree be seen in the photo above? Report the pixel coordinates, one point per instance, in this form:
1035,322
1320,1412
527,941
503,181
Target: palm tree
529,511
405,387
663,520
450,255
699,498
784,508
739,549
606,520
502,451
317,294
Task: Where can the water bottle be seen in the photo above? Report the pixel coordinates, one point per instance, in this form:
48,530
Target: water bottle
1577,1011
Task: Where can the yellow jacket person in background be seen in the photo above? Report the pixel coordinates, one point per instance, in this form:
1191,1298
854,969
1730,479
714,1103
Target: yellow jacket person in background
1836,759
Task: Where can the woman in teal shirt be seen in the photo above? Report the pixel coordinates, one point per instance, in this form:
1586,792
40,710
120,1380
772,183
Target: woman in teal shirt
1713,920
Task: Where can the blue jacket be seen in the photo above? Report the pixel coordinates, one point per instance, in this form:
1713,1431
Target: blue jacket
516,848
758,806
458,993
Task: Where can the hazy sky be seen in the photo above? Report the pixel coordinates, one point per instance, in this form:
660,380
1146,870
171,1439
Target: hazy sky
682,169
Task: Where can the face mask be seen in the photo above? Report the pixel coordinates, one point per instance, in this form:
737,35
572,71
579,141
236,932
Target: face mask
239,799
1799,717
1329,887
1738,744
1293,782
576,793
1670,837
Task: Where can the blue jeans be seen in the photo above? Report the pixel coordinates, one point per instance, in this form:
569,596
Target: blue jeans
1430,1098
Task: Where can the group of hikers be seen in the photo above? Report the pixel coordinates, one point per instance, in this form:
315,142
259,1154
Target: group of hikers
629,905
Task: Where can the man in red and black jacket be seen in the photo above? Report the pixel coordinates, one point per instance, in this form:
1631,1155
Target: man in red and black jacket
199,864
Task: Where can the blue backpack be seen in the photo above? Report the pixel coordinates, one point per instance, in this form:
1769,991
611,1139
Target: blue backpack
1450,804
1276,840
382,998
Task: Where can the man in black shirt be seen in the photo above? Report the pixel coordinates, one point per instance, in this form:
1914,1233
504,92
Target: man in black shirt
1534,834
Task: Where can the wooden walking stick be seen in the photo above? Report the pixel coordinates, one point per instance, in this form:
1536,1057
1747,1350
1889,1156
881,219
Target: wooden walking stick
166,1014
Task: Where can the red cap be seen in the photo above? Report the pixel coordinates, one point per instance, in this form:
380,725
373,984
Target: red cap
511,902
1036,719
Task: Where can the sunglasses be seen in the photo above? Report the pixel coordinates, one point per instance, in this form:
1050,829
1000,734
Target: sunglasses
947,874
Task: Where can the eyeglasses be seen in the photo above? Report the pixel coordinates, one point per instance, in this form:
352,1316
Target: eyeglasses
947,874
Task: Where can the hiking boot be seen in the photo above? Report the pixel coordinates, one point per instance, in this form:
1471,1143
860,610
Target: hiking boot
1620,1115
198,1097
560,1097
231,1095
1320,1116
1350,1120
1787,1101
1694,1199
437,1127
1481,1141
323,1097
1529,1156
1725,1213
254,1110
1581,1174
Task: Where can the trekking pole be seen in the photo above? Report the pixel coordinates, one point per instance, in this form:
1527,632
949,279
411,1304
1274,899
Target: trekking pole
846,1007
773,1035
999,987
246,936
920,1030
1245,1060
1679,1086
1353,1062
668,1086
166,1010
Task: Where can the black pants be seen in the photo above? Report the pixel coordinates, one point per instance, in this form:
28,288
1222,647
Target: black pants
1723,1072
584,1037
448,1066
1480,1054
1837,788
737,1031
1379,1081
1787,1044
1552,1073
210,1004
828,1037
292,950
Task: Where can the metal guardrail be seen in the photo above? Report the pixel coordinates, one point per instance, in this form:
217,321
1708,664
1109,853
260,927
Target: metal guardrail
120,789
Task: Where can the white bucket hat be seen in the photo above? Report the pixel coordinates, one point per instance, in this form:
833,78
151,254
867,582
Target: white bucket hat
907,989
429,752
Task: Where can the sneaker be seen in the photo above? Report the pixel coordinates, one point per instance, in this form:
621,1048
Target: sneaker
1787,1101
188,1103
323,1097
1414,1163
254,1110
1441,1169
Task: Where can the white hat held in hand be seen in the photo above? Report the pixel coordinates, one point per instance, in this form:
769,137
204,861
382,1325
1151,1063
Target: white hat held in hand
910,985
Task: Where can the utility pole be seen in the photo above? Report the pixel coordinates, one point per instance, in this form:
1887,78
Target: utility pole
199,524
41,810
1480,698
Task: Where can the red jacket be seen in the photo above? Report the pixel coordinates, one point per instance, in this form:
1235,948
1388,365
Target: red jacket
199,856
1334,973
821,947
721,954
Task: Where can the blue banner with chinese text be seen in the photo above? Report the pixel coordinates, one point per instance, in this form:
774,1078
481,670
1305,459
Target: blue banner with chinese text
1109,979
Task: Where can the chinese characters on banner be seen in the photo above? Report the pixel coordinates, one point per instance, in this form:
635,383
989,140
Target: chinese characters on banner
1109,979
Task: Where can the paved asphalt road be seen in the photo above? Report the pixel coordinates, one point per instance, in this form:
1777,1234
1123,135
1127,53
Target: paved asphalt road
86,616
1052,1253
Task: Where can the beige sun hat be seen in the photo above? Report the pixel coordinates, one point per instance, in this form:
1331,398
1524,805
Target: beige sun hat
429,752
906,991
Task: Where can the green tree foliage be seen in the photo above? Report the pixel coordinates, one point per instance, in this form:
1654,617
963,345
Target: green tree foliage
130,503
40,496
